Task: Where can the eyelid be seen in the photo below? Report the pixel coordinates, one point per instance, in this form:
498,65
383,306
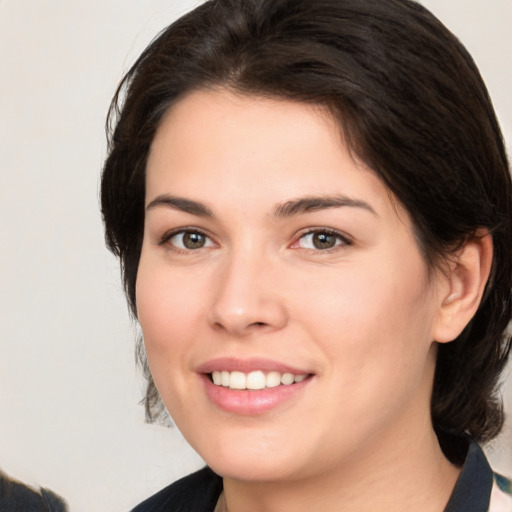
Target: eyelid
168,235
343,237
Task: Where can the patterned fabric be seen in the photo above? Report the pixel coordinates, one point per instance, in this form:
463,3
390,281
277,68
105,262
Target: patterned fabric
501,495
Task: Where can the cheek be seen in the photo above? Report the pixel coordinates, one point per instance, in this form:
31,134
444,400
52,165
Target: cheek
360,299
168,306
374,320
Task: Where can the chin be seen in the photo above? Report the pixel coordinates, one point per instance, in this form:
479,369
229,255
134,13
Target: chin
252,470
261,460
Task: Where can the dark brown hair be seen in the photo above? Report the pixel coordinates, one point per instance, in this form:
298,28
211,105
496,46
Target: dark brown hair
412,106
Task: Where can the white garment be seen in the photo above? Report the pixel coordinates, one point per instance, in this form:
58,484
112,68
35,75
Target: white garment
500,501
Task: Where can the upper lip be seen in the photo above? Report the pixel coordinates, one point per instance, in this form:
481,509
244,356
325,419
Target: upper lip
232,364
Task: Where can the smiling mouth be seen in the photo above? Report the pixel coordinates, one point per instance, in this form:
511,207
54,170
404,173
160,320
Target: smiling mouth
255,380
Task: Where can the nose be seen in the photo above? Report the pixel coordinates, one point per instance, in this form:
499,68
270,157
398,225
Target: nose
247,298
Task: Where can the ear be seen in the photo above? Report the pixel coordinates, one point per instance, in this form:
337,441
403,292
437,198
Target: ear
464,285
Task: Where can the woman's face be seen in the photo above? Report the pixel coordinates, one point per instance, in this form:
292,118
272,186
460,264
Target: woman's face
273,259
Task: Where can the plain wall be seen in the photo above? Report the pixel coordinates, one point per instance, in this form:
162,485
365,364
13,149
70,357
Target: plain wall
69,388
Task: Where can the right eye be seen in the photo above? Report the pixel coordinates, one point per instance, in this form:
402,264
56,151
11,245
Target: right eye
187,240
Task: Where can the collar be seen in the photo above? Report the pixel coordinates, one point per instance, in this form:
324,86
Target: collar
472,491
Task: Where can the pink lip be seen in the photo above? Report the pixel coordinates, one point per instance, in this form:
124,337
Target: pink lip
232,364
250,402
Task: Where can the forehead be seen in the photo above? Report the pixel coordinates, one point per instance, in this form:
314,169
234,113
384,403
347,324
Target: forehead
238,150
221,121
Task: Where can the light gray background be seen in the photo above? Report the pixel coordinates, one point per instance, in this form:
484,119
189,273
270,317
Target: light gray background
68,383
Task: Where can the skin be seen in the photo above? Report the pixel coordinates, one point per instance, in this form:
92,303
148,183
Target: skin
360,317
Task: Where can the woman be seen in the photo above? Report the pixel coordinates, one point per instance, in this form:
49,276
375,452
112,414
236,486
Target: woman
312,207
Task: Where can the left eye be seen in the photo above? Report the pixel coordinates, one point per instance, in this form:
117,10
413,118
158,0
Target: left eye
190,240
321,240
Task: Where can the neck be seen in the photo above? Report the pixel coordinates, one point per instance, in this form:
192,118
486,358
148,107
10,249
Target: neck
411,475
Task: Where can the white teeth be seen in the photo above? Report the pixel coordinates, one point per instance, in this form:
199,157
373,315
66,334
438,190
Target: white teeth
225,379
238,380
273,379
254,380
287,379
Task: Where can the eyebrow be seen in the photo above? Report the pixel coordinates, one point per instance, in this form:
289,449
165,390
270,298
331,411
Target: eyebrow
182,204
287,209
314,203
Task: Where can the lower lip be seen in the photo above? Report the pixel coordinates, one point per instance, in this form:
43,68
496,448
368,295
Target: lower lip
251,402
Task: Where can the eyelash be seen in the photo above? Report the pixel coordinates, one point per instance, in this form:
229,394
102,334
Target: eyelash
342,240
168,236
